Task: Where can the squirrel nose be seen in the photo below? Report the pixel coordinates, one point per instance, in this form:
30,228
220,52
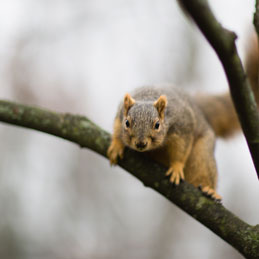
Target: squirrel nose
141,145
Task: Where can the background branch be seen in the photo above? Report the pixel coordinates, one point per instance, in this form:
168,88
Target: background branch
80,130
223,42
256,17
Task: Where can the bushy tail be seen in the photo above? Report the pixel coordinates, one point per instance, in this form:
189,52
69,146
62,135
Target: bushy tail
220,113
219,109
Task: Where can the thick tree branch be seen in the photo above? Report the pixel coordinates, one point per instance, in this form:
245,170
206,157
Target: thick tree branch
80,130
223,42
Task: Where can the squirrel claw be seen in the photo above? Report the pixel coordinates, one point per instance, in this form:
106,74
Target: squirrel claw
211,193
176,172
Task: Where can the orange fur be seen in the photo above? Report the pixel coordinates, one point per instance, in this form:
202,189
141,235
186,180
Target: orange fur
116,148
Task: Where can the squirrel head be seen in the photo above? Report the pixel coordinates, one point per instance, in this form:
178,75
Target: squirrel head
144,127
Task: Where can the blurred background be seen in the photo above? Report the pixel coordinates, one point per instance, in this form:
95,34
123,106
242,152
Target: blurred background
81,56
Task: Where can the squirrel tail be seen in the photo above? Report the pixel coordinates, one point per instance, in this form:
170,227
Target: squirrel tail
220,113
219,109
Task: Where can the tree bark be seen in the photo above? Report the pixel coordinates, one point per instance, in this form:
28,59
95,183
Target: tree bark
80,130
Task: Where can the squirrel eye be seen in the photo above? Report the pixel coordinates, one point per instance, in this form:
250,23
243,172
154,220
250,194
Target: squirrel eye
157,125
127,123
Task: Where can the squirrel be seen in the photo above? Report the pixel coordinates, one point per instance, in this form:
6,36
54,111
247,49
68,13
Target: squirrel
179,130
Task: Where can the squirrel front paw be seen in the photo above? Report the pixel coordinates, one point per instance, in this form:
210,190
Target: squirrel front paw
115,150
176,172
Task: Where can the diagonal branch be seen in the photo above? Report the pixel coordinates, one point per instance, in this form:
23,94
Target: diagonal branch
80,130
256,17
223,42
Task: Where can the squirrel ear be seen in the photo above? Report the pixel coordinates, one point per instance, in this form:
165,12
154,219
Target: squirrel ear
128,102
160,104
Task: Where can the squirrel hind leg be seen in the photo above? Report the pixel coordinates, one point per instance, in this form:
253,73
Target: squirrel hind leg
200,169
211,193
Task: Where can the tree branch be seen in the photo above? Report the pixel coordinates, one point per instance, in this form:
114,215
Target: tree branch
80,130
223,42
256,17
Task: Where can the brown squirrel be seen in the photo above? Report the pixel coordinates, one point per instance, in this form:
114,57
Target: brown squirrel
179,130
